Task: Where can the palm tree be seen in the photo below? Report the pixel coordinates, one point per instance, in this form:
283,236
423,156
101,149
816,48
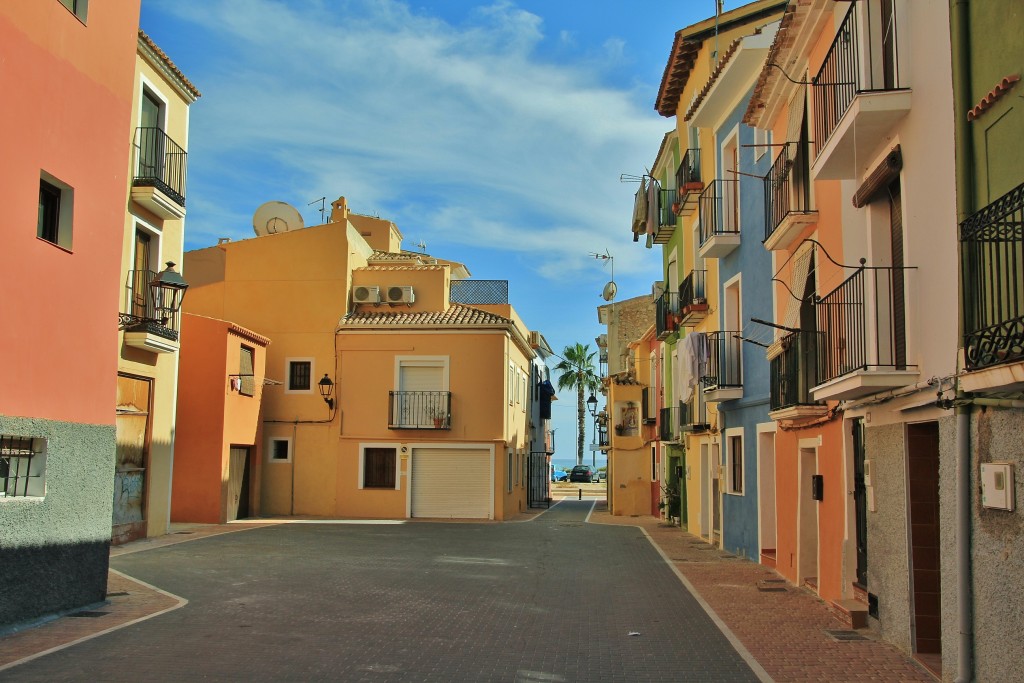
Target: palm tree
577,372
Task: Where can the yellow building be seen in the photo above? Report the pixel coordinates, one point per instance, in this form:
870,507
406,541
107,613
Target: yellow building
147,370
394,401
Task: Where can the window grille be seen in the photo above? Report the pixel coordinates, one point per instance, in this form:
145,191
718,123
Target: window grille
22,466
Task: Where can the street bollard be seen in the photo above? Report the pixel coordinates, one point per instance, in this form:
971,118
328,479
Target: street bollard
581,494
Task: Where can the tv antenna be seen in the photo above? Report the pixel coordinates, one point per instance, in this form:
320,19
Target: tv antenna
422,246
610,289
322,209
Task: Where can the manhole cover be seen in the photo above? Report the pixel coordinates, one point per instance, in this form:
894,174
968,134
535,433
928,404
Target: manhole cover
88,615
118,595
844,636
184,533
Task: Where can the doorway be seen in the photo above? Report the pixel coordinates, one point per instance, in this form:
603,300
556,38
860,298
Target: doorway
716,495
860,503
238,483
131,463
923,474
705,484
766,497
807,519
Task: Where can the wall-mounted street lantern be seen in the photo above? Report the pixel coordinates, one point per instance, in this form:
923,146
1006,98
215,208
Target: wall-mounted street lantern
327,390
166,291
592,405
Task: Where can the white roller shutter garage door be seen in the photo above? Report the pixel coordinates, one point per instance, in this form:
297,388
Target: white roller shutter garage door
451,483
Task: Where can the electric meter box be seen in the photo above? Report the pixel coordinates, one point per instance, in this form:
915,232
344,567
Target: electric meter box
997,485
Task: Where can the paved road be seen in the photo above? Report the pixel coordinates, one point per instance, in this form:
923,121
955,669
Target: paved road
553,599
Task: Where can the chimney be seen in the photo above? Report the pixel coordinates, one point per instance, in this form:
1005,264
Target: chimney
339,210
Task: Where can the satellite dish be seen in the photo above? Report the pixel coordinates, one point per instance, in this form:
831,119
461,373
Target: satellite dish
274,217
609,291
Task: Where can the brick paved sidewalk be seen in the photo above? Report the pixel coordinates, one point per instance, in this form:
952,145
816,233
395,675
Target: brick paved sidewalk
785,631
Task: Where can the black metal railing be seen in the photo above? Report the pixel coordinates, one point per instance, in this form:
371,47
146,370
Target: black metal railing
666,215
786,187
719,209
794,372
160,162
724,369
689,169
693,414
420,410
992,277
479,292
864,57
143,313
862,324
691,292
666,314
670,427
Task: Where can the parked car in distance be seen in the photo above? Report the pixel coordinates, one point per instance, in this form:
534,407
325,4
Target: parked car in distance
602,475
583,473
559,475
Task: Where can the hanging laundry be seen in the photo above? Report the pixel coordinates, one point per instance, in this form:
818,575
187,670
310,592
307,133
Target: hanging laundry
640,210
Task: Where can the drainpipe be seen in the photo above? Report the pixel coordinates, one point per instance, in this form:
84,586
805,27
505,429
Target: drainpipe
960,49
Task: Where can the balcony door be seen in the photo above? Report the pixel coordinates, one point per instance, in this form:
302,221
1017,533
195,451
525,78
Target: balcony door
899,329
151,139
139,275
420,398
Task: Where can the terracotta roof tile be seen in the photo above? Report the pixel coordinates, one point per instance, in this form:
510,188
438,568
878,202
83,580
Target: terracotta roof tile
401,265
1000,89
456,314
187,84
726,58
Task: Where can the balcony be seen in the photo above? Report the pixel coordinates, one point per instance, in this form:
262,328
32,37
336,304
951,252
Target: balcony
992,277
861,349
159,180
549,441
693,414
148,324
858,96
667,315
689,183
670,429
793,372
693,303
667,203
473,292
719,218
787,198
724,378
420,410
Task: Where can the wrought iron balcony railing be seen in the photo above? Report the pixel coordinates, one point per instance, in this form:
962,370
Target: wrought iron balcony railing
794,372
691,292
141,313
693,414
667,314
479,292
864,57
670,428
724,368
862,324
420,410
689,169
992,277
161,163
787,187
719,209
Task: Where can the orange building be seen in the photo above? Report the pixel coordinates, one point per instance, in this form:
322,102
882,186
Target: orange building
67,81
215,472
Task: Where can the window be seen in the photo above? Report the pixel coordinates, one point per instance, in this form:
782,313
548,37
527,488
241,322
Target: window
511,470
80,8
22,466
654,463
300,375
511,383
247,382
53,222
734,462
762,139
279,449
379,468
421,399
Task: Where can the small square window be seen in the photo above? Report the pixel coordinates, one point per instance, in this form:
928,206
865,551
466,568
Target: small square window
280,450
379,468
56,203
80,8
300,374
247,380
22,466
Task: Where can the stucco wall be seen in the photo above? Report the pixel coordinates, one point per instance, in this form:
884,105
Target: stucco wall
888,564
997,549
55,548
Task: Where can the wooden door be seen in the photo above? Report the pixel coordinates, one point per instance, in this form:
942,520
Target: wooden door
131,458
238,483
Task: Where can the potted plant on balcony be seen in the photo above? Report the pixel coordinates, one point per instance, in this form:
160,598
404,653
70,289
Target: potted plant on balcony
439,419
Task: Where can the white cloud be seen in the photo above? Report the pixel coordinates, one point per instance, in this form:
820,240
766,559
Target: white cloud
461,134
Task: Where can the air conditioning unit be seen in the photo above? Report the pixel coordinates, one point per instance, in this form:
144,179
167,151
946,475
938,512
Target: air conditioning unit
366,295
401,294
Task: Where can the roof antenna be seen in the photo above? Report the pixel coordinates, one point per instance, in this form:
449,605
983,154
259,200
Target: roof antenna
323,207
422,246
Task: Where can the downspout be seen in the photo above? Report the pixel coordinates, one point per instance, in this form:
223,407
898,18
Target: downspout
960,48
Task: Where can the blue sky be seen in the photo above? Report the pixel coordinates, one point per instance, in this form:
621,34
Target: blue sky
494,132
